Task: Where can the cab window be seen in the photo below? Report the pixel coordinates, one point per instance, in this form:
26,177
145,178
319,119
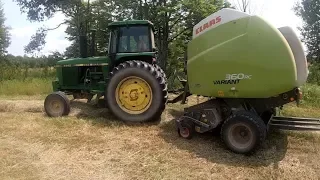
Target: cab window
134,39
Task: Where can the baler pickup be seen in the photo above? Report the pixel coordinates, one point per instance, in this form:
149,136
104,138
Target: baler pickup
295,123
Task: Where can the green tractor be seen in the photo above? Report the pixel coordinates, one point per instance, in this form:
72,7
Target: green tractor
244,66
129,79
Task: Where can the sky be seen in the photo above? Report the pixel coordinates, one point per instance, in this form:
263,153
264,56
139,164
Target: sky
277,12
22,30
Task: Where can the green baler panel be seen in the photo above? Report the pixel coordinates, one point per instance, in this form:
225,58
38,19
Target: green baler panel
244,58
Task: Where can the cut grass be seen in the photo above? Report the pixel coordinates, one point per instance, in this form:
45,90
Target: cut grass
91,144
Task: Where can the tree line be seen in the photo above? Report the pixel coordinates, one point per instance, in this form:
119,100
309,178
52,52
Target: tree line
173,21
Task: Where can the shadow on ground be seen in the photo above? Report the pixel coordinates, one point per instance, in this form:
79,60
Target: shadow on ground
210,147
99,114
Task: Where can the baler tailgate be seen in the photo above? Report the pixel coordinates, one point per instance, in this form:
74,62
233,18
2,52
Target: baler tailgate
295,123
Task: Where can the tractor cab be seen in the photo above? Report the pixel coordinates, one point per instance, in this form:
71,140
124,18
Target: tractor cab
131,37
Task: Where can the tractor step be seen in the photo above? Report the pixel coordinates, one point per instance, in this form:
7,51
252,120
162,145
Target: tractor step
295,123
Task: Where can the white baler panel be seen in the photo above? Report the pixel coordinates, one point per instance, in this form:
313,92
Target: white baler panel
216,19
298,53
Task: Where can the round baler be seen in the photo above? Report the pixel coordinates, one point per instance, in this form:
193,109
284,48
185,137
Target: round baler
247,68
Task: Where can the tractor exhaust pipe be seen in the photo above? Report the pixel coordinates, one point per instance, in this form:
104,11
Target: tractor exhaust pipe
93,42
83,41
83,46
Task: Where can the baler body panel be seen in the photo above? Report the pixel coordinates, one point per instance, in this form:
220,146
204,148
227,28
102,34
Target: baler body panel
243,58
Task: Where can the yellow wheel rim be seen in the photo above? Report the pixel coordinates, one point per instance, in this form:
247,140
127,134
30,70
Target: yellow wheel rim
133,95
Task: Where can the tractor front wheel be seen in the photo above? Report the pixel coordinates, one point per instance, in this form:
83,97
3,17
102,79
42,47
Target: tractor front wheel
57,104
243,132
136,92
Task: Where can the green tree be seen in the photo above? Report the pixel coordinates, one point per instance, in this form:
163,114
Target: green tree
39,10
173,21
308,11
4,33
99,16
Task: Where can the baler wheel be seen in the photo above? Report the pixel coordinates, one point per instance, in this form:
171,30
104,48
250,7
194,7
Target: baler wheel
186,129
136,92
57,104
243,132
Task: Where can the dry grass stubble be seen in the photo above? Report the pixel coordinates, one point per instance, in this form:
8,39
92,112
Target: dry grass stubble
90,144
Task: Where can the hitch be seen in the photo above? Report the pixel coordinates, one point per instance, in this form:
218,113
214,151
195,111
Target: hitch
183,95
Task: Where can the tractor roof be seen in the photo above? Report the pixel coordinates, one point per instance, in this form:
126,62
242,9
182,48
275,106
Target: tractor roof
130,22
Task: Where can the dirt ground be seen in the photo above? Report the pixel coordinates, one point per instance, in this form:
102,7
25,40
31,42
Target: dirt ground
91,144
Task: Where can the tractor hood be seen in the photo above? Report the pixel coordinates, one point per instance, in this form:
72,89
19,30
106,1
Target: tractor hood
90,61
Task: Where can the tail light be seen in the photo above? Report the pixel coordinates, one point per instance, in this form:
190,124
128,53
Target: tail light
300,95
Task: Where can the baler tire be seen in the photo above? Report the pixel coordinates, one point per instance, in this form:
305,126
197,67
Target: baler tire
156,82
62,99
187,126
251,121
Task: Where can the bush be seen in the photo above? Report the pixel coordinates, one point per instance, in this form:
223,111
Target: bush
314,74
17,80
311,95
21,73
29,86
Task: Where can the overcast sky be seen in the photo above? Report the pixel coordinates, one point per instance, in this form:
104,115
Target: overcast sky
277,12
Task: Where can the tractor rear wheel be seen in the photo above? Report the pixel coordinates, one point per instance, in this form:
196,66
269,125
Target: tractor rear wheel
136,92
57,104
158,68
243,132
